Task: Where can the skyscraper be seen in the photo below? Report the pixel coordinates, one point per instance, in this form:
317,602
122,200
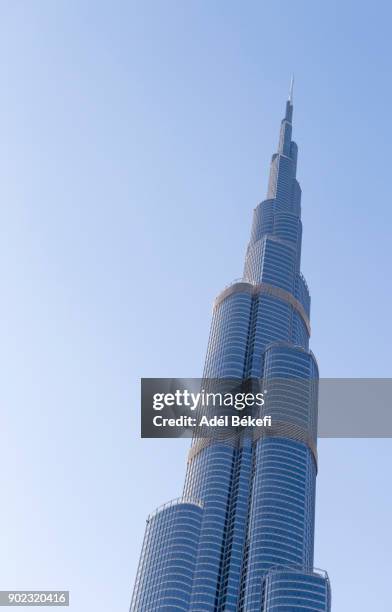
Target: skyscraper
241,537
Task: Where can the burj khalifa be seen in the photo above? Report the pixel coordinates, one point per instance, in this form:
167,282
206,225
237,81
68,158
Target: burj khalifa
241,536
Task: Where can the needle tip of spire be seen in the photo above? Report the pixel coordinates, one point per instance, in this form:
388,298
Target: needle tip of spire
291,89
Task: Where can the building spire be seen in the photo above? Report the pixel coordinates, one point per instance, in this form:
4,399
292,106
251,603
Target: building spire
289,103
291,89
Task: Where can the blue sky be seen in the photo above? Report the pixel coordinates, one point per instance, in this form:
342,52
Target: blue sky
135,142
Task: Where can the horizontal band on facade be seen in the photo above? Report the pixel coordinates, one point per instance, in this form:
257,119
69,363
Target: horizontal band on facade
279,429
244,286
179,501
300,569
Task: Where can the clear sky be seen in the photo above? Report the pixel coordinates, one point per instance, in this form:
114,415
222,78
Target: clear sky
135,139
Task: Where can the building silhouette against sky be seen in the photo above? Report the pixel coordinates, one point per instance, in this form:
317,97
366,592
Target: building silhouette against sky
241,537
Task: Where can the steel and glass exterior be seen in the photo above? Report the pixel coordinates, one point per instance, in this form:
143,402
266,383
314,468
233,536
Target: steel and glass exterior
294,590
254,496
167,563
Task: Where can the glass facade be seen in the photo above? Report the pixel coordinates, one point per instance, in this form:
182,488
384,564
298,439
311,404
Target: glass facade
257,492
293,590
167,562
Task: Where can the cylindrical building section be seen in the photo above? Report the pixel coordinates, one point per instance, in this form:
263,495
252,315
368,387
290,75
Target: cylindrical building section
167,562
281,187
263,220
219,472
288,589
291,383
281,515
272,260
288,226
281,521
248,317
228,342
220,475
